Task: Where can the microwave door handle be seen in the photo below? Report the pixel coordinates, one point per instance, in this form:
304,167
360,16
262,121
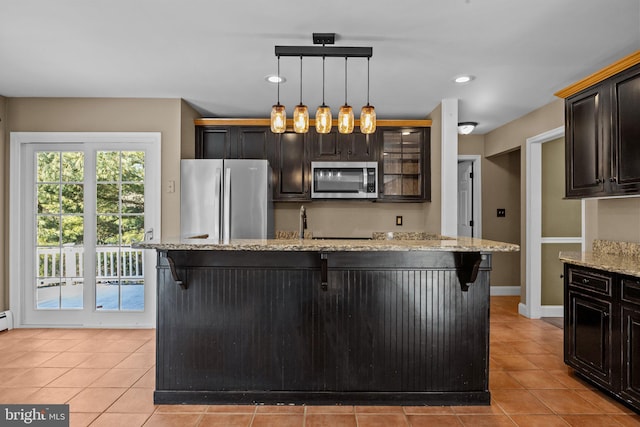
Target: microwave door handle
364,180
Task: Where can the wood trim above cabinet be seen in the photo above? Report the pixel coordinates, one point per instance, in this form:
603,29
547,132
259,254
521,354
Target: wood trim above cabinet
618,66
267,122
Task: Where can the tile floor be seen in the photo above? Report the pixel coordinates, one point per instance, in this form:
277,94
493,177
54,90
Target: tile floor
107,377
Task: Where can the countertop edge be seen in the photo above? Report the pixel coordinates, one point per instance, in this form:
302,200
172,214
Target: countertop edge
450,245
612,263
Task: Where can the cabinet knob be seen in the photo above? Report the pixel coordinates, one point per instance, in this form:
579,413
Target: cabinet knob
613,179
585,281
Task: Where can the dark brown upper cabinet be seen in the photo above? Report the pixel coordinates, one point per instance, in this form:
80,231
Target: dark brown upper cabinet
335,146
603,137
404,168
234,142
401,148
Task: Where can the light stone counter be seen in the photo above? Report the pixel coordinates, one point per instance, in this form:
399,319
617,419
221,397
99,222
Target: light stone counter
461,244
615,257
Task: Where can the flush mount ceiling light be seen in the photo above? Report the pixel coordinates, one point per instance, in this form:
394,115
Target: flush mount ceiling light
274,78
323,114
463,78
465,128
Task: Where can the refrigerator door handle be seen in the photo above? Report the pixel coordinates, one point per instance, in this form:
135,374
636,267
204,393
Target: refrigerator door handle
226,222
217,184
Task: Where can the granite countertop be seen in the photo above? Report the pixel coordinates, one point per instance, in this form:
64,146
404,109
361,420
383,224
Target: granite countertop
615,257
461,244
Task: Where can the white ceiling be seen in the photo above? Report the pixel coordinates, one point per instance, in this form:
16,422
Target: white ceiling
216,54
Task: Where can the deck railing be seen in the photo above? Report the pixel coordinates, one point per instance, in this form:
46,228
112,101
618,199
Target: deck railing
66,264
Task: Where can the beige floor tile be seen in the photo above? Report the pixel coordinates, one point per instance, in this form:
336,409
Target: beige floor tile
173,420
519,402
539,421
330,420
119,378
82,419
148,380
11,395
31,359
78,377
95,399
112,419
382,420
590,421
502,380
279,420
536,379
53,395
135,400
138,360
236,409
66,360
36,377
434,421
226,420
103,360
565,402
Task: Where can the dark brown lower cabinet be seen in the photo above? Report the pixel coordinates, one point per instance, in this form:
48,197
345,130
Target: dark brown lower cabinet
397,328
602,330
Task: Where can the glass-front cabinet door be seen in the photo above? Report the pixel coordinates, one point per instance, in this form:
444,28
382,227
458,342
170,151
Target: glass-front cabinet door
405,164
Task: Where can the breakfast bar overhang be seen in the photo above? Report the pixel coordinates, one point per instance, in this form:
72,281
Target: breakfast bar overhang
324,322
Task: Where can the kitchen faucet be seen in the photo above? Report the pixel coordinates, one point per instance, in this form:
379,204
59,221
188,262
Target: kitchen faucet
303,222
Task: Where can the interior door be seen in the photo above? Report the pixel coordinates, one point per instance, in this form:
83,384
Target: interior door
83,205
465,198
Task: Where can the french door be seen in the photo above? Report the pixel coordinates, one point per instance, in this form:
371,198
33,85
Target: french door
84,200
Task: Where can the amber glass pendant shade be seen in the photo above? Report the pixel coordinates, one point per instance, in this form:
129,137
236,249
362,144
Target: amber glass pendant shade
368,119
301,119
278,119
345,119
323,119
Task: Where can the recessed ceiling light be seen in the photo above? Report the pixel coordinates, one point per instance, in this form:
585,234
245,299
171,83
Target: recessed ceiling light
272,78
463,78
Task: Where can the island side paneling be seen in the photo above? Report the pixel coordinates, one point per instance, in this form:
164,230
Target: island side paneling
271,327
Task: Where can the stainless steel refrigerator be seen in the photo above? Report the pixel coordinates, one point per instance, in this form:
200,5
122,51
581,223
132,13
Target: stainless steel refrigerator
226,199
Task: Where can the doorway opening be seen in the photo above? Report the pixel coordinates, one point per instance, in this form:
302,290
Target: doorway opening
470,196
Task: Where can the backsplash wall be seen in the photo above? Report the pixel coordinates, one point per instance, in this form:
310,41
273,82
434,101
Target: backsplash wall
353,218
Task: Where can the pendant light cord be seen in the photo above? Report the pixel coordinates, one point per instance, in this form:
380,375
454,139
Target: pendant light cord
368,81
300,80
345,80
323,58
279,78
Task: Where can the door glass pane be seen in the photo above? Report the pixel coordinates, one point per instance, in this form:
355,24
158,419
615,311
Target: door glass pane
119,222
59,230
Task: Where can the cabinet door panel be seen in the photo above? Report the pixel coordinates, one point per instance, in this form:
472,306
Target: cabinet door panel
325,147
359,146
631,353
254,143
583,144
213,143
589,337
293,183
626,120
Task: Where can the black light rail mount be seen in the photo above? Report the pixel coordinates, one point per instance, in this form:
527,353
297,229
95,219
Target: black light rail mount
325,51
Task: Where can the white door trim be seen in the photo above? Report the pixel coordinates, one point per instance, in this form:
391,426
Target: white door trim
476,159
533,307
17,252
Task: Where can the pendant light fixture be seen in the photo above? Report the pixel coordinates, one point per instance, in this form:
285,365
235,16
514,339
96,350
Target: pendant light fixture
345,117
323,113
301,113
278,113
368,112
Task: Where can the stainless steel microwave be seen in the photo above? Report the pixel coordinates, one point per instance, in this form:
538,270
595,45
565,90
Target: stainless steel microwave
344,180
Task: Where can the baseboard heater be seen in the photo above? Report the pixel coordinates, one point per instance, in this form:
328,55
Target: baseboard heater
6,320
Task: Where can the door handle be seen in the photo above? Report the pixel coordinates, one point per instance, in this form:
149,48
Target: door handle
149,234
324,272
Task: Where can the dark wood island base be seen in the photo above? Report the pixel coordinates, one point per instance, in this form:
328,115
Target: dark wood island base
323,327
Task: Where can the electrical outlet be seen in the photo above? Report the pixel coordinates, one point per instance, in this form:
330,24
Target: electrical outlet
171,187
399,220
502,213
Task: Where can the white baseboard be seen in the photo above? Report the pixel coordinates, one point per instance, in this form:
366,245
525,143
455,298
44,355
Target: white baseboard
552,311
503,291
6,320
544,311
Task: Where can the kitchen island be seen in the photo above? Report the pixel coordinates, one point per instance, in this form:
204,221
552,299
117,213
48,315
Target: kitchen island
379,322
